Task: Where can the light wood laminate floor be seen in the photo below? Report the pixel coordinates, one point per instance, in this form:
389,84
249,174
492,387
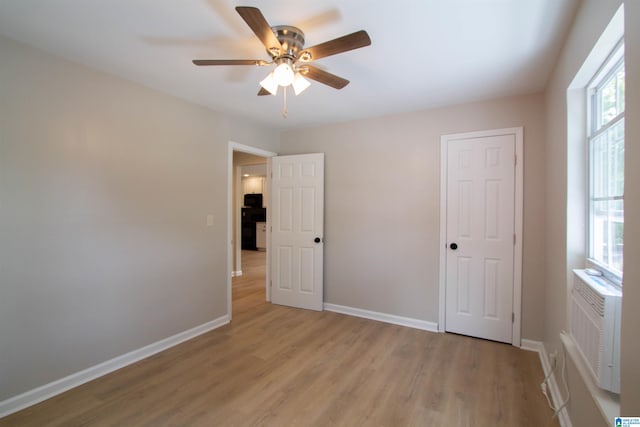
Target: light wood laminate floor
279,366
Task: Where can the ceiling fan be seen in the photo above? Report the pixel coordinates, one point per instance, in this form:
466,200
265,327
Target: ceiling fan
285,46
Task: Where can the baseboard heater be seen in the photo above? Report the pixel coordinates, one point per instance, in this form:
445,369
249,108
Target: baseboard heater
595,327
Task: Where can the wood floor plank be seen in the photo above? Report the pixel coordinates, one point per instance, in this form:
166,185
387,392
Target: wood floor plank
279,366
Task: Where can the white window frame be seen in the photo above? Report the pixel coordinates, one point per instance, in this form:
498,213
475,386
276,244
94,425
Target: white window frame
611,64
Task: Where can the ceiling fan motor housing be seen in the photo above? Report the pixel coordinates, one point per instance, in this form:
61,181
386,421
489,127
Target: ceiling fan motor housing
292,41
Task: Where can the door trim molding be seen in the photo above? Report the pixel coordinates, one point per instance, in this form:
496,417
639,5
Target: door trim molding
518,133
234,146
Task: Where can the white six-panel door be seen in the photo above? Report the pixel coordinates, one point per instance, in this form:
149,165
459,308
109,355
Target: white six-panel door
480,232
297,221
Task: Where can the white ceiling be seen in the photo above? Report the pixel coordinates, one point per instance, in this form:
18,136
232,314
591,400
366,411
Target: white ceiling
424,53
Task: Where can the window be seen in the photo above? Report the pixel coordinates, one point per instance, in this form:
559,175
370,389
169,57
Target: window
606,166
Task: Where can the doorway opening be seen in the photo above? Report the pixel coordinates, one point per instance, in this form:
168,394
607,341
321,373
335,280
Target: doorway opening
248,206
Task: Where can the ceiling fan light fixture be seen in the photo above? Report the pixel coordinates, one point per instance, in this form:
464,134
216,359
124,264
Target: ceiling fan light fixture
285,47
270,84
300,83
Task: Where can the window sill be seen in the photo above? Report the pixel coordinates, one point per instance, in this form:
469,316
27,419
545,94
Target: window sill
608,403
606,274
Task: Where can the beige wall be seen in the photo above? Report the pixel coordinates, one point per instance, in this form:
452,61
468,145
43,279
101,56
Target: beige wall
382,205
591,20
104,191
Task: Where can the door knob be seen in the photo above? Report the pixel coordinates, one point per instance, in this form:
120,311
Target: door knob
317,240
453,246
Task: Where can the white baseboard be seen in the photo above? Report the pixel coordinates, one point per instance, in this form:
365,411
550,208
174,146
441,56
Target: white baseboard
383,317
556,396
236,273
531,345
37,395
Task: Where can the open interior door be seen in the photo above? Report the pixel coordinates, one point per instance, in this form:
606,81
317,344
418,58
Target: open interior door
297,229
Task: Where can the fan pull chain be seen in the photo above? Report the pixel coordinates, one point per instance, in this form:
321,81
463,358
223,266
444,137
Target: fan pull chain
284,103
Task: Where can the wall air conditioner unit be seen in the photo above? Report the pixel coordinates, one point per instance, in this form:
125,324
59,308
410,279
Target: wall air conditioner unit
595,327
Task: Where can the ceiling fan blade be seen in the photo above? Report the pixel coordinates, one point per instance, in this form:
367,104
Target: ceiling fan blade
257,62
256,21
324,77
263,92
341,44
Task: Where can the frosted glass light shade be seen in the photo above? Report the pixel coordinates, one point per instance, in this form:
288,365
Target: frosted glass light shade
270,84
283,74
300,84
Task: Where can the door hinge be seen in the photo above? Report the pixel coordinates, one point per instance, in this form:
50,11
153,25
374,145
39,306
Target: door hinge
515,160
514,239
513,318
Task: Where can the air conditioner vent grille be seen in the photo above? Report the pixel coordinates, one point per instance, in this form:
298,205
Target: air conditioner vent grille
590,296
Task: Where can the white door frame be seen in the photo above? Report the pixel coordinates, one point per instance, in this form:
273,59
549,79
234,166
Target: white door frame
518,211
234,146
